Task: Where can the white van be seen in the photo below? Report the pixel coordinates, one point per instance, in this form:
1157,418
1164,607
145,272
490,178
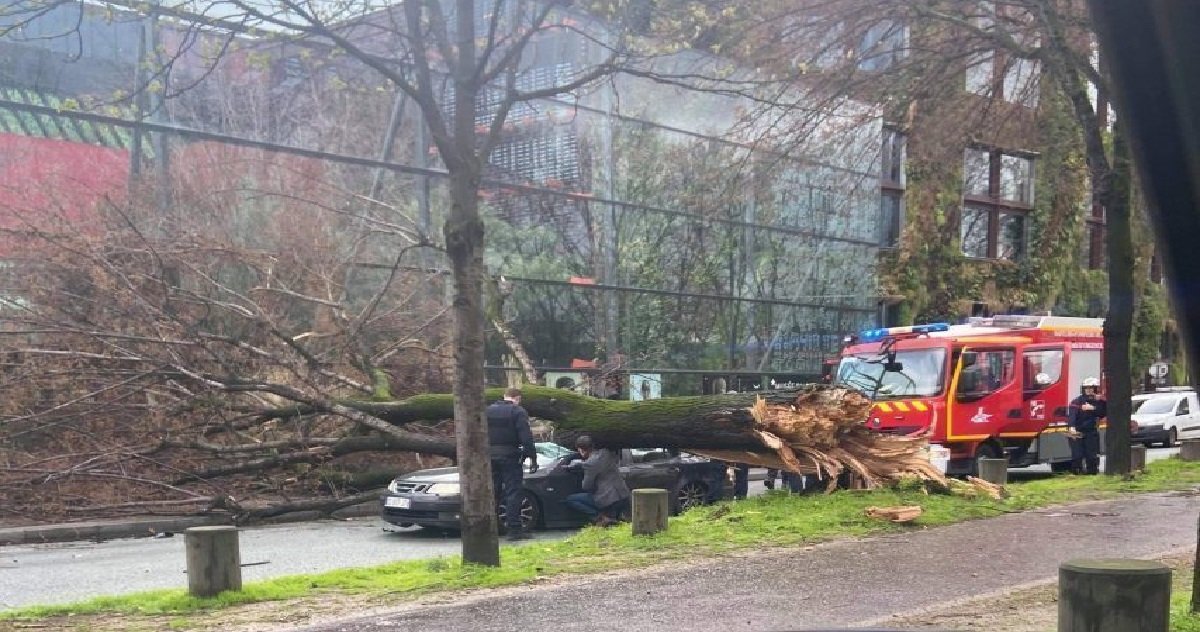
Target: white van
1164,418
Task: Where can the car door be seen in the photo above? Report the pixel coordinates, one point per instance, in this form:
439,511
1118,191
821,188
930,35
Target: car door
654,468
1188,422
987,394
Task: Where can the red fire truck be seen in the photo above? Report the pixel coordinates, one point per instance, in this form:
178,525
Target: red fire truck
991,388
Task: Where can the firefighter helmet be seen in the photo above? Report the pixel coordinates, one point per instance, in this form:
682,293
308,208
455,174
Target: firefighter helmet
1090,382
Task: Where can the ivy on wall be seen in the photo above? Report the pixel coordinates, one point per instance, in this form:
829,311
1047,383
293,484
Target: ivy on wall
939,283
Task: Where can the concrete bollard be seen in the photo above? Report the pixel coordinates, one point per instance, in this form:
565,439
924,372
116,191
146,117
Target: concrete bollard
994,471
1113,595
650,510
214,563
1137,458
1189,450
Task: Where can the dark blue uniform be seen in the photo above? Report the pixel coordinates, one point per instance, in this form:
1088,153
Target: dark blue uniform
511,441
1085,451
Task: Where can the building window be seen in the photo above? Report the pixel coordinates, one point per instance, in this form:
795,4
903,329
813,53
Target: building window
1022,81
977,172
998,195
891,182
981,73
1012,236
882,46
974,231
1016,179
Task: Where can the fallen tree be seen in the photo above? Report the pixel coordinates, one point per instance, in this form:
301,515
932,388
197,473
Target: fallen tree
816,429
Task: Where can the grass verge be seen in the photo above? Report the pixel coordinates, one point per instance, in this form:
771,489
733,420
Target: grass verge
1182,618
775,519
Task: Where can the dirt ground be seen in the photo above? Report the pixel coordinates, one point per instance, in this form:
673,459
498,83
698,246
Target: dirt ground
1027,609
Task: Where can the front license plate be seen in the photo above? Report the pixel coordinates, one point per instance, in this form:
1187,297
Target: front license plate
399,503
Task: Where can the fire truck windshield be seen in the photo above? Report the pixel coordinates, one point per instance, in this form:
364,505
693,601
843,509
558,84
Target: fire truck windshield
922,374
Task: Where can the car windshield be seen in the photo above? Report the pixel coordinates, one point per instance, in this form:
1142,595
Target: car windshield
1158,406
922,372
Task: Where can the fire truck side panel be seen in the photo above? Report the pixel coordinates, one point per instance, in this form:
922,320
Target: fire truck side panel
1005,389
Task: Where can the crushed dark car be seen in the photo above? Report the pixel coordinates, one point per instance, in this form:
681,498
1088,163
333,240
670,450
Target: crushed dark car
431,498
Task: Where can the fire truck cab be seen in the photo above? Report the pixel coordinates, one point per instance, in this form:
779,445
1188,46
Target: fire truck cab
994,387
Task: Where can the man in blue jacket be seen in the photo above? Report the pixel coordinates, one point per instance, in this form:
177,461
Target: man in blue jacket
510,442
1084,417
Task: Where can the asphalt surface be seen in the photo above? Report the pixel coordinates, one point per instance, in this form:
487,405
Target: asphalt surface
839,584
71,571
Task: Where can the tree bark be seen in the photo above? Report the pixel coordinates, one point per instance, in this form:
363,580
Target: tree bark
711,421
464,235
1118,326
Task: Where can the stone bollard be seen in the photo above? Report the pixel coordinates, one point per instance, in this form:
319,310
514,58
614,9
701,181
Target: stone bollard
1189,450
650,510
1137,458
1113,595
214,563
994,471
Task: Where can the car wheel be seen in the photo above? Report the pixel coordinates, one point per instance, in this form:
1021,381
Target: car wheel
1172,439
531,513
1147,444
691,494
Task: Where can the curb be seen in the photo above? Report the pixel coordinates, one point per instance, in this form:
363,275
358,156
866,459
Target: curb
148,527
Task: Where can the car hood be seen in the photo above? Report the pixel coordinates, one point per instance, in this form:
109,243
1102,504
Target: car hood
438,475
1151,419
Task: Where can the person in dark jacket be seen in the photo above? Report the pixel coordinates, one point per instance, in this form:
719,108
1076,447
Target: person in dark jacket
1084,417
605,495
510,442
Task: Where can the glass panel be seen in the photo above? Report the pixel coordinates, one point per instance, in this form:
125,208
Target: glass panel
986,372
980,72
974,231
1043,368
1016,179
922,374
1012,236
882,45
977,169
891,218
892,156
1021,82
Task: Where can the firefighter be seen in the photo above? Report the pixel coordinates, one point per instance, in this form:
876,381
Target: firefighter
1084,416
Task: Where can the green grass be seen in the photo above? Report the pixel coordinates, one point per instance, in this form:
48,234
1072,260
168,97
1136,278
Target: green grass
1182,619
775,519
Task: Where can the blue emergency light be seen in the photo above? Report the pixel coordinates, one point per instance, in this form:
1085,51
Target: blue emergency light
875,335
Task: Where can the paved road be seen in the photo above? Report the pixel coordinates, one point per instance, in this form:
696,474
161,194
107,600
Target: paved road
66,572
1019,473
840,584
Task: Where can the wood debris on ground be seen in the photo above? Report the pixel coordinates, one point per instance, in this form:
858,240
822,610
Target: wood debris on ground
904,513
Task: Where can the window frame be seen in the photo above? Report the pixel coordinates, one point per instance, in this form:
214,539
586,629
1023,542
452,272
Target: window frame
893,157
994,203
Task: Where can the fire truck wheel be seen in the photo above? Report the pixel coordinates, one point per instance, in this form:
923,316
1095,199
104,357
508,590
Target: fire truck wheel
985,451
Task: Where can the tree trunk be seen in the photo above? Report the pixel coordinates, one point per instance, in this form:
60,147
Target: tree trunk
815,429
464,245
1118,326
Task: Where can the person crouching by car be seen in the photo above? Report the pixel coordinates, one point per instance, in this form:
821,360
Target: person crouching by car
605,495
